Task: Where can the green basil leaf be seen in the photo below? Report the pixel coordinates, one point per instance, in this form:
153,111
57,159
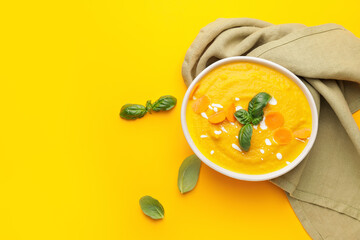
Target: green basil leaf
257,104
152,207
189,173
257,120
245,137
148,106
164,103
243,116
132,111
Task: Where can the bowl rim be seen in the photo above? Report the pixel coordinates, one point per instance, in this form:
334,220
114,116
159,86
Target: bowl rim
242,176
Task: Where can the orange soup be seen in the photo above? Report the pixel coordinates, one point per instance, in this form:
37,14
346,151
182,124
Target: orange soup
276,140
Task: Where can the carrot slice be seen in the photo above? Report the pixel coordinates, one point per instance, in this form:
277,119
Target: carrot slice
274,120
302,133
201,104
194,90
283,136
230,113
217,117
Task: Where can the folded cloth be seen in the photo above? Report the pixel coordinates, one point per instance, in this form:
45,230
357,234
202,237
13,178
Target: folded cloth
324,190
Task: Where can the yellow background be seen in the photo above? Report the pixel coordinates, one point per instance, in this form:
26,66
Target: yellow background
72,169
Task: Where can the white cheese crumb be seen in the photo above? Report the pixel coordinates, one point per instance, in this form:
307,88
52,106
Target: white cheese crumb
272,101
210,107
287,162
255,127
215,109
237,99
238,108
203,136
212,152
262,151
203,114
262,124
217,132
222,128
217,105
279,156
267,141
236,147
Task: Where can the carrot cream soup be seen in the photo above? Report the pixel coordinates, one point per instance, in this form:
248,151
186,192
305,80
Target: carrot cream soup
221,121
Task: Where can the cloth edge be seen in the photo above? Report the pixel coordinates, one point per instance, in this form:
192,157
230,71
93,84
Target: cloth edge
354,106
303,219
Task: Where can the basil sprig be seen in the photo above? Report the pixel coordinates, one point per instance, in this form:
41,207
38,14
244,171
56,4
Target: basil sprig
135,111
152,207
253,116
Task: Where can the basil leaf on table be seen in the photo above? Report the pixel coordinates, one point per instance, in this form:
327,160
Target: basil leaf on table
189,173
257,104
152,207
245,137
132,111
243,116
164,103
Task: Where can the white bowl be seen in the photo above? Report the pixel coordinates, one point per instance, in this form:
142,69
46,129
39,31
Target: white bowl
252,177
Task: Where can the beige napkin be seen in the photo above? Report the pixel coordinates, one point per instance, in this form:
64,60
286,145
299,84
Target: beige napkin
324,190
